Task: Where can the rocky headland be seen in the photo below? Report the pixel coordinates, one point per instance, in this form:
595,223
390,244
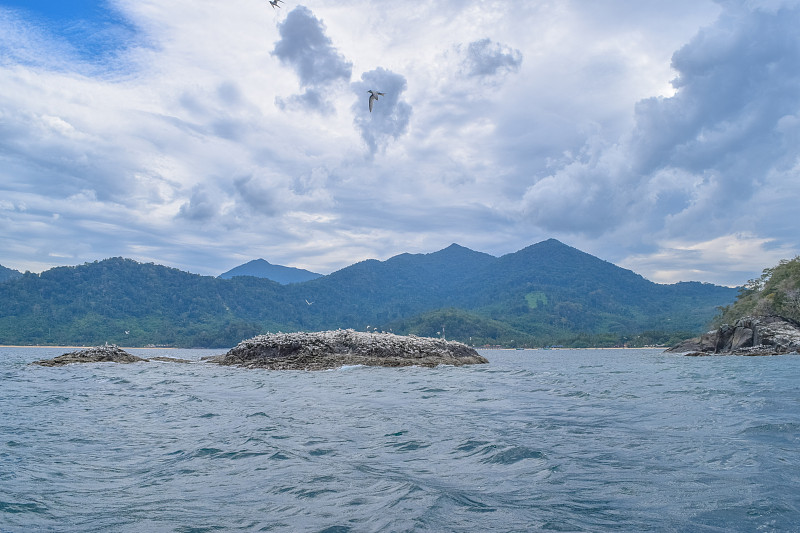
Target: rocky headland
109,353
750,335
333,349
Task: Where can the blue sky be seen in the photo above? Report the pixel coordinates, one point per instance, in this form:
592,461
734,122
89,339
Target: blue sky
660,136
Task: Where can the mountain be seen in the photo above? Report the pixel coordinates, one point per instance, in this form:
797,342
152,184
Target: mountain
8,273
374,292
259,268
547,293
550,288
128,303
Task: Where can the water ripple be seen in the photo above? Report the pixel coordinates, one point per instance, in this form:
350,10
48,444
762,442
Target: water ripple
562,440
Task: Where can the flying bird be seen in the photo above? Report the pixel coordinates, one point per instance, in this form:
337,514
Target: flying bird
309,303
274,3
373,95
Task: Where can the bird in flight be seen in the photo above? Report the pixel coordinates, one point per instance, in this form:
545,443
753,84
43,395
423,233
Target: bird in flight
274,3
373,95
309,303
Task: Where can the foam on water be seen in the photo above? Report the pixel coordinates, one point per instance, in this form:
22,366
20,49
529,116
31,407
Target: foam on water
589,440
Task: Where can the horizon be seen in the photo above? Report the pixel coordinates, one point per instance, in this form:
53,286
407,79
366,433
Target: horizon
659,137
323,274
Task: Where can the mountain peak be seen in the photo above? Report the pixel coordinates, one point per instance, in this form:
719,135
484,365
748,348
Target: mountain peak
457,249
261,268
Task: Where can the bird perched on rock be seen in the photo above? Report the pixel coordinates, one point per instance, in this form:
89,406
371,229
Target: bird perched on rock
274,3
373,95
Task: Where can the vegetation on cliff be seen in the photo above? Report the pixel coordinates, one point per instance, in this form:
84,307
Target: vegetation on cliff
776,292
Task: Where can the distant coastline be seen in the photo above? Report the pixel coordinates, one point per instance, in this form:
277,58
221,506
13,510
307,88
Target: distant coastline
65,347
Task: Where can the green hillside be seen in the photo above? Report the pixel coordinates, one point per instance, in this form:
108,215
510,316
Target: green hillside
8,273
548,293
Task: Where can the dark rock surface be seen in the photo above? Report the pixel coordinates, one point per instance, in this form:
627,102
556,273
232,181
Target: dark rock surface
751,335
165,359
100,354
332,349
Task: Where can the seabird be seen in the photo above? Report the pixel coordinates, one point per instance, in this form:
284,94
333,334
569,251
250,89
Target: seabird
309,303
372,97
274,3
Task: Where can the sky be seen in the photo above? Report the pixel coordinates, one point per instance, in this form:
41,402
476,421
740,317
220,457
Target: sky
663,137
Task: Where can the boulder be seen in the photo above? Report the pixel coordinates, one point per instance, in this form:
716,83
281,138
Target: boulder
751,335
332,349
100,354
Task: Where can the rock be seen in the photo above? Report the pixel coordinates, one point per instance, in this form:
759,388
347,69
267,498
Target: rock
688,346
109,353
165,359
333,349
99,354
751,335
742,338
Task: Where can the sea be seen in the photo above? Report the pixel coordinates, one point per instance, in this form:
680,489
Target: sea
536,440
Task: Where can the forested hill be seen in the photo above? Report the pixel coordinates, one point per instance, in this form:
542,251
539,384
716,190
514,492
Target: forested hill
546,293
8,273
261,268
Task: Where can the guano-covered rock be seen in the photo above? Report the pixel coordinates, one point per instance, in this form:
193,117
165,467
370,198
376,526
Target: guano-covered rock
332,349
109,353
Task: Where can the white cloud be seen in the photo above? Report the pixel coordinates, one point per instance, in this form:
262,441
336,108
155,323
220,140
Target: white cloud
728,259
218,131
695,163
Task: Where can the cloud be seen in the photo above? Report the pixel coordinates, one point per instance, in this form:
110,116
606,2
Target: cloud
503,124
487,58
306,48
390,115
200,206
696,162
729,259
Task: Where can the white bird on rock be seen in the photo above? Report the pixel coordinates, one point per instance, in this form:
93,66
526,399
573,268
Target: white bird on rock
373,95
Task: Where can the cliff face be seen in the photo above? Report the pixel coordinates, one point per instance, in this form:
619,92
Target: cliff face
750,335
333,349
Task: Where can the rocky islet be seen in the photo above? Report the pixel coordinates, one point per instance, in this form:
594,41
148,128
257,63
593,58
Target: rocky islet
750,335
308,351
108,353
332,349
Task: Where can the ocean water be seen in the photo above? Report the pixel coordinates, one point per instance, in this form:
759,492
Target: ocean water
555,440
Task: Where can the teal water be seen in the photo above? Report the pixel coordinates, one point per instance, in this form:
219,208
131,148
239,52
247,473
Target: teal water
557,440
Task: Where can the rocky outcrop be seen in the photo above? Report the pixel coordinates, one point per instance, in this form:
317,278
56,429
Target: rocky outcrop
109,353
333,349
751,335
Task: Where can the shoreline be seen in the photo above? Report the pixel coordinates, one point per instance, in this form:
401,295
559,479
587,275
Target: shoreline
60,347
